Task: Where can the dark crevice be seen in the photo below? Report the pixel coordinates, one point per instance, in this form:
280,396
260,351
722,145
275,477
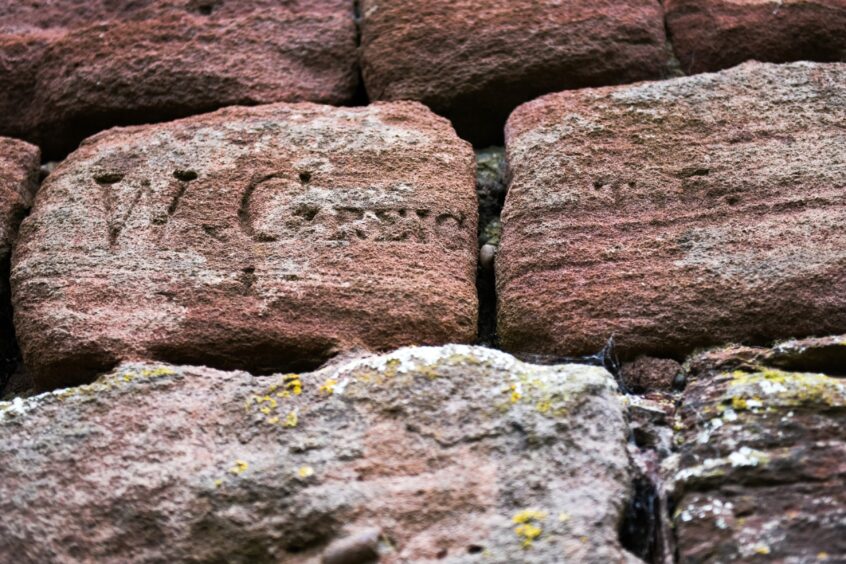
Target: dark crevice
673,67
641,521
9,351
491,187
646,527
360,97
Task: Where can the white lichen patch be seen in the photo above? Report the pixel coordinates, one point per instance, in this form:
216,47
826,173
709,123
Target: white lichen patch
744,457
543,388
121,377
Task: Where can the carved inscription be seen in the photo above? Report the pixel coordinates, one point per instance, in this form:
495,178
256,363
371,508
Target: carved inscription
276,208
121,208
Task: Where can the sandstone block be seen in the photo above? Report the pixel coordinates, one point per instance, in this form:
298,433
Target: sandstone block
677,214
264,238
716,34
451,454
18,182
474,61
760,466
70,69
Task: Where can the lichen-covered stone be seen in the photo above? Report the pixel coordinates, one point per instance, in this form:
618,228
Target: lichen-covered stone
761,460
266,238
474,60
71,68
677,214
710,35
458,453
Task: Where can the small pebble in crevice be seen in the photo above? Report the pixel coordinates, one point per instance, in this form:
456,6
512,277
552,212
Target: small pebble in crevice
491,186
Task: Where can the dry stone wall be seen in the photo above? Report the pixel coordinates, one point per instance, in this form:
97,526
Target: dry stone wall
239,210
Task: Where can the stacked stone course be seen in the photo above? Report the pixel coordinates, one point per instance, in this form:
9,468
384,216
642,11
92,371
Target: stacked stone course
248,258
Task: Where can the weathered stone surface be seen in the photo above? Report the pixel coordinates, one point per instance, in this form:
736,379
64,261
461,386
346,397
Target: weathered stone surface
647,373
18,182
761,462
69,69
716,34
677,214
264,238
19,163
455,454
474,61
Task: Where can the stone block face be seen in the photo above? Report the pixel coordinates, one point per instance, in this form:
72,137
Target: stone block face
710,35
70,69
264,238
475,61
761,455
449,454
677,214
18,182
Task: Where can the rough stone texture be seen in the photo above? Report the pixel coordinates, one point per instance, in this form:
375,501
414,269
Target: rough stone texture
677,214
454,454
18,182
474,61
647,373
263,238
710,35
71,68
762,460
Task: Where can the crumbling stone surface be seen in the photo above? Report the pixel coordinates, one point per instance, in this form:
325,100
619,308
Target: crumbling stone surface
647,373
455,454
70,68
710,35
677,214
266,238
475,61
760,467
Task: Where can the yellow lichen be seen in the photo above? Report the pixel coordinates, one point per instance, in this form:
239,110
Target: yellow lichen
291,420
528,515
527,533
515,393
528,528
293,383
328,387
761,549
239,468
392,367
305,471
770,387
